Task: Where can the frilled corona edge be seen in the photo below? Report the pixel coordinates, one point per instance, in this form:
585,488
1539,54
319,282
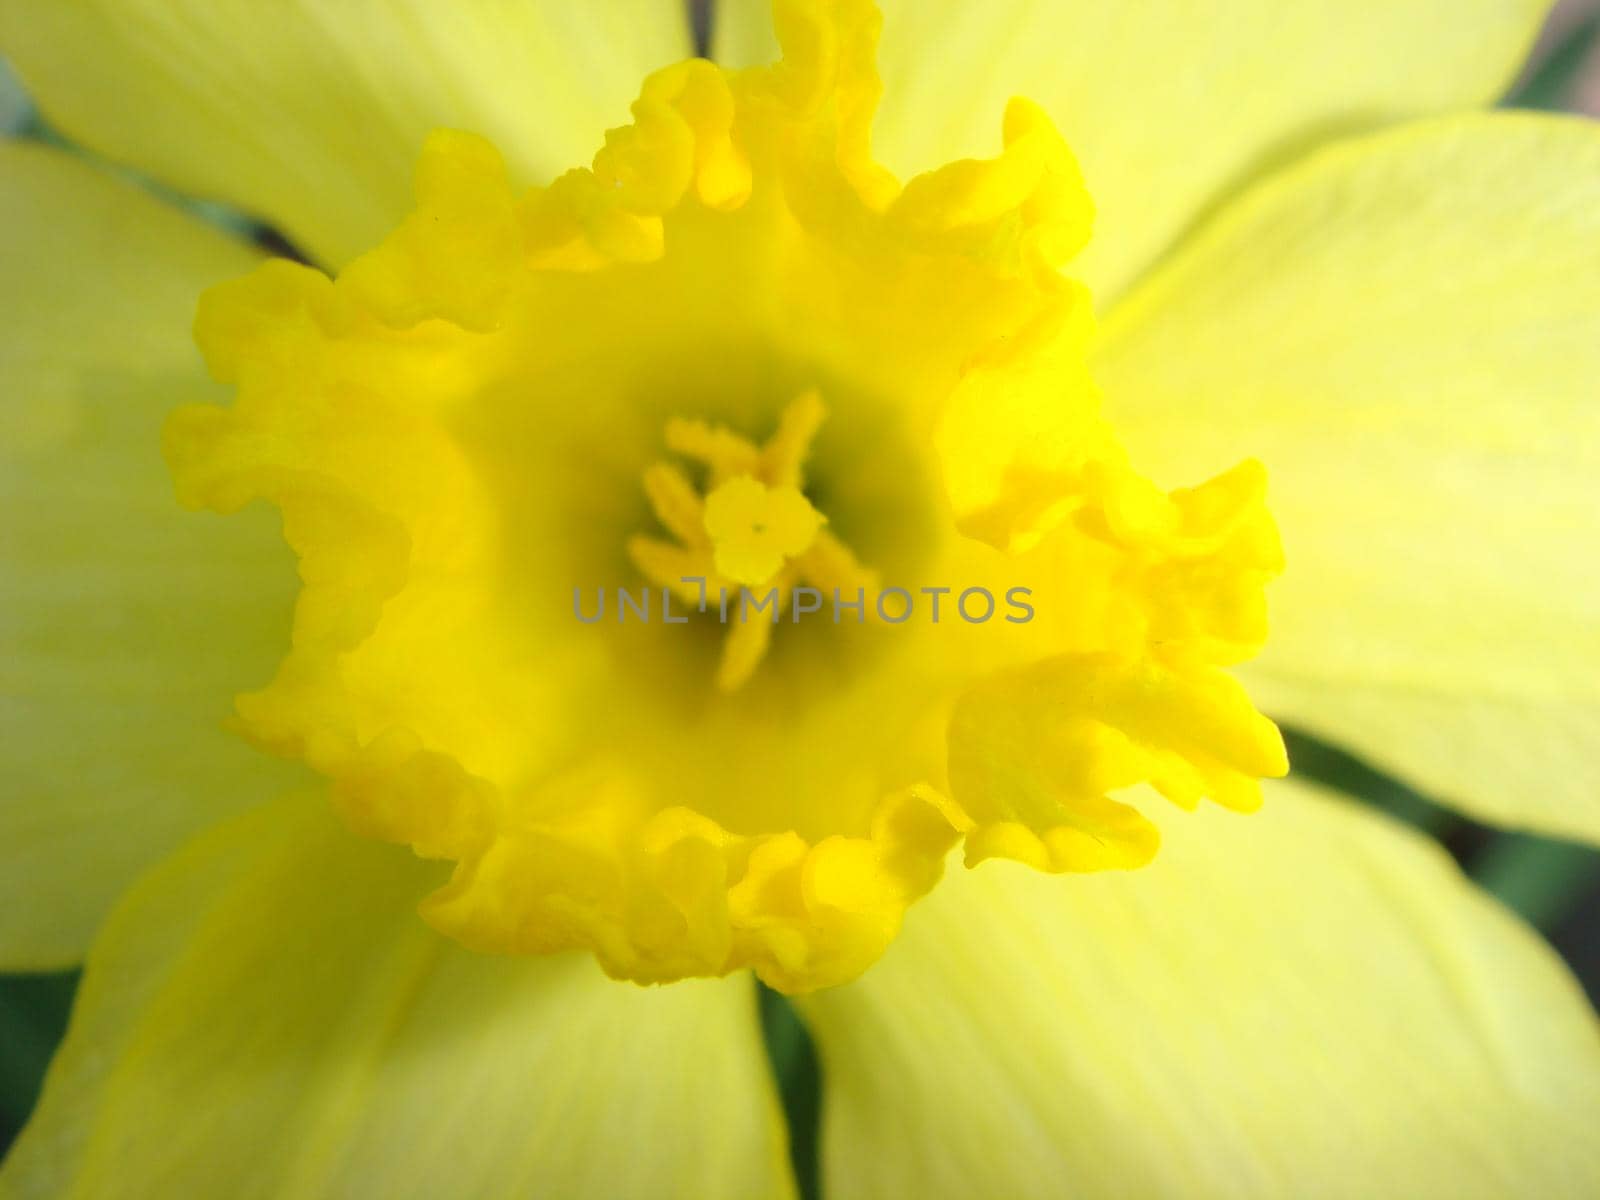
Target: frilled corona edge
454,423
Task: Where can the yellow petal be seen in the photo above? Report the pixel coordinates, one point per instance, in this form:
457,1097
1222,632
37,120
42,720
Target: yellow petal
127,625
1307,1002
265,1016
1168,108
1406,331
310,115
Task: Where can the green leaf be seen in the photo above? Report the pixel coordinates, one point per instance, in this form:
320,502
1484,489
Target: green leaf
1544,880
33,1017
793,1056
1550,86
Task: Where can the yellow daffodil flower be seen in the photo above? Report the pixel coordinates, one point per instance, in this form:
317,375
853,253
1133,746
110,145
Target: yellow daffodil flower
684,554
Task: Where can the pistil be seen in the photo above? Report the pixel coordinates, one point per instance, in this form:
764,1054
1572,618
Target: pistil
752,527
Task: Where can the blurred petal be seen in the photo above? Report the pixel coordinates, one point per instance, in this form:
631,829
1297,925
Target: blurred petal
1406,331
265,1015
310,115
1309,1001
1168,107
126,624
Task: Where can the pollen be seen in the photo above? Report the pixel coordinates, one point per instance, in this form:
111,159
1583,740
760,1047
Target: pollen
733,349
755,527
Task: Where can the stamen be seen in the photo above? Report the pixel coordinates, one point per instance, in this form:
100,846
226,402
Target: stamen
725,452
674,501
785,453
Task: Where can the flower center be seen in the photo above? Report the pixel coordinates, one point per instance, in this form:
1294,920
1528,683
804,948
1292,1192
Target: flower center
753,527
619,381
